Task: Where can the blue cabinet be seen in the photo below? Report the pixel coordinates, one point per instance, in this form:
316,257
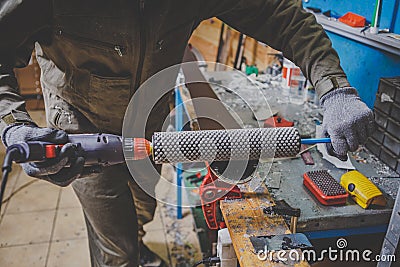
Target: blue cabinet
365,58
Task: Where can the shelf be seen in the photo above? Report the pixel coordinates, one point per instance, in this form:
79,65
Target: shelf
382,41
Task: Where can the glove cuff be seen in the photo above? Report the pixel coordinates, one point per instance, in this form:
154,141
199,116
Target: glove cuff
340,92
328,84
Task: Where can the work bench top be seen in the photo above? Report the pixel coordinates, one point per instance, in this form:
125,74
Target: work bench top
245,218
284,178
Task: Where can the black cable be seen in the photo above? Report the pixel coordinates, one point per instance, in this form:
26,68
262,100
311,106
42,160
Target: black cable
198,263
8,159
207,261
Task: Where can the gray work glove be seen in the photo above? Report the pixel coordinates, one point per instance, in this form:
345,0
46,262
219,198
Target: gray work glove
347,120
60,171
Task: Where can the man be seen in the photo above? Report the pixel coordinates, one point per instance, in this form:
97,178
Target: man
94,55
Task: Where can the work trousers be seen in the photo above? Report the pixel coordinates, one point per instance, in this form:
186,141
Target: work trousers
115,210
114,205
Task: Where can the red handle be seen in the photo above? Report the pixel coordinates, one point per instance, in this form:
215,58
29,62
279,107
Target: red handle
52,151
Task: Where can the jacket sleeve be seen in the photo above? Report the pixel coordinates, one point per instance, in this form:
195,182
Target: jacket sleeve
21,24
286,26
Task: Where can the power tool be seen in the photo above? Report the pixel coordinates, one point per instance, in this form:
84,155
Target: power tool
97,149
248,145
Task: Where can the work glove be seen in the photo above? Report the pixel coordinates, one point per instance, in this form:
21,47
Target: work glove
61,170
347,121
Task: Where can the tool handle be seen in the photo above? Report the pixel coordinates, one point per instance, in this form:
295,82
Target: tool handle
331,151
329,147
97,149
312,141
35,151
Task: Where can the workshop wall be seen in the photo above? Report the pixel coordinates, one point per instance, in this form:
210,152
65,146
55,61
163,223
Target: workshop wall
206,39
29,84
389,14
364,64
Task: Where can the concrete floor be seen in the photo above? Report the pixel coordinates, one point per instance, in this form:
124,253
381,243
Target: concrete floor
42,225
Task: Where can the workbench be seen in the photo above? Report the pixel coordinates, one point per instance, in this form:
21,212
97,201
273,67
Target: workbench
284,178
246,218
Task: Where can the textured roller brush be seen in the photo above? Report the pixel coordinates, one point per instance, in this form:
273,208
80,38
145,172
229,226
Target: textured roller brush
218,145
325,188
225,145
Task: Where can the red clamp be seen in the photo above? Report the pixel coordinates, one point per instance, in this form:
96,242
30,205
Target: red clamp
211,190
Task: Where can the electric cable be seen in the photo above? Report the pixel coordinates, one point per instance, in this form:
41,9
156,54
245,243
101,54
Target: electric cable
10,156
208,261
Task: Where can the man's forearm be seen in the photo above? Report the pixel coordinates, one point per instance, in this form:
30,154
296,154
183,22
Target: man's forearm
12,105
287,27
20,21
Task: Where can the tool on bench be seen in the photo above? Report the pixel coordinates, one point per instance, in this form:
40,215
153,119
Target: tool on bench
211,190
391,242
195,178
362,190
280,242
282,208
325,188
277,121
306,155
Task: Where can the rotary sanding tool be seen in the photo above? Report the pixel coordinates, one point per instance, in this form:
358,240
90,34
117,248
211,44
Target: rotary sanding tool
174,147
96,149
169,147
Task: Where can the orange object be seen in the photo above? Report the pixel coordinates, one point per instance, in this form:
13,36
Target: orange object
353,20
52,151
277,121
325,188
142,148
211,190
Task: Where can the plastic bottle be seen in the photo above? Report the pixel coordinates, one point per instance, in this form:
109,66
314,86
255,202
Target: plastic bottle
297,87
287,73
293,82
